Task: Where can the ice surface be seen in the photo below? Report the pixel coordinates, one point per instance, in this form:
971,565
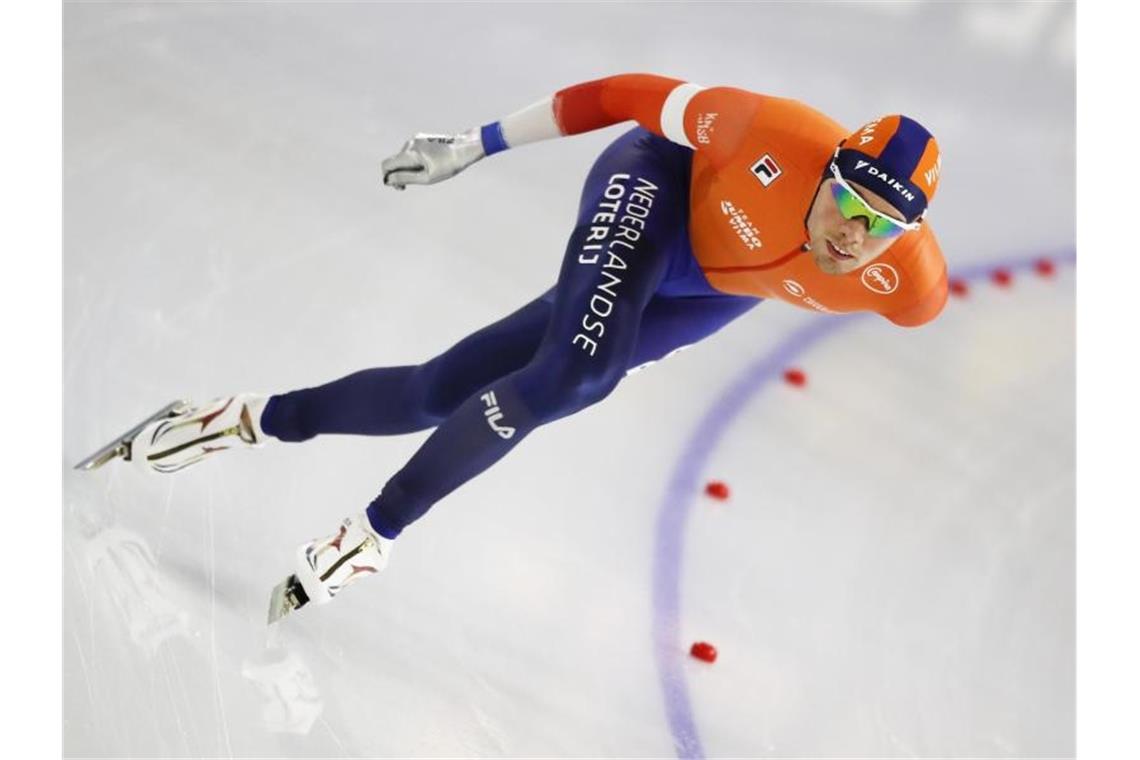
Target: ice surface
893,573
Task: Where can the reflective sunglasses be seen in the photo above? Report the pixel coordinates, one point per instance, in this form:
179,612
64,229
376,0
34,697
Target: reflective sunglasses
852,206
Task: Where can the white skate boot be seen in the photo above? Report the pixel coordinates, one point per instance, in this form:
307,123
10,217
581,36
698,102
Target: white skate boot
171,444
324,566
181,434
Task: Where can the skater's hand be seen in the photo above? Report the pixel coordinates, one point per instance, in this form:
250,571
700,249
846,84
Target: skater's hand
427,159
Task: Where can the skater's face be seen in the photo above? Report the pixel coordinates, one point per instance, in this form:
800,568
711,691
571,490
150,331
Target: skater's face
839,245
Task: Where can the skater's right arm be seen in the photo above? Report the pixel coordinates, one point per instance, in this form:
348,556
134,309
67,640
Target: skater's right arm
711,119
702,118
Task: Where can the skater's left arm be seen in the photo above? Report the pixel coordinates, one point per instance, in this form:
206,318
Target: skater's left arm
922,288
924,309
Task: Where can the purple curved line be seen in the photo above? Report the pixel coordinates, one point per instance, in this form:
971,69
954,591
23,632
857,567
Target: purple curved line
683,485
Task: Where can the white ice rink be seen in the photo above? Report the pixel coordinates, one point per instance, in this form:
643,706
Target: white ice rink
892,574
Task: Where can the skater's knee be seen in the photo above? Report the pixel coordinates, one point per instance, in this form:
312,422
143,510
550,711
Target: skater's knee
556,389
595,385
434,392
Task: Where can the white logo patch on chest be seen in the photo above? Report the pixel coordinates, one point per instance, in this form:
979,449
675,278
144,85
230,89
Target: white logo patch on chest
766,170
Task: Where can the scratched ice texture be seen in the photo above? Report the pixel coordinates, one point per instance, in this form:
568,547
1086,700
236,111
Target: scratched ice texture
892,574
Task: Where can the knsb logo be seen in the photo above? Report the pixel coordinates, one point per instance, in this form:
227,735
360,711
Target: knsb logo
881,278
794,288
705,127
767,170
494,414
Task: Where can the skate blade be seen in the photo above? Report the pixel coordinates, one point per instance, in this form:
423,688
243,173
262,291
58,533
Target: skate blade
288,595
121,446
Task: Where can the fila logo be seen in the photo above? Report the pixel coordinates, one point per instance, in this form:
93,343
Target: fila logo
881,278
767,170
494,414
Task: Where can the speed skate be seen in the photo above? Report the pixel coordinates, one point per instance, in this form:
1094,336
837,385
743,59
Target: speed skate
288,595
325,566
182,434
121,445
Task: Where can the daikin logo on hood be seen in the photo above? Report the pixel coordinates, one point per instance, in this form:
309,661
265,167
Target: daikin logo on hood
867,168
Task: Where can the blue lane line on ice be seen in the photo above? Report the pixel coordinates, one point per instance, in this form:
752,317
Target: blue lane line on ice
684,487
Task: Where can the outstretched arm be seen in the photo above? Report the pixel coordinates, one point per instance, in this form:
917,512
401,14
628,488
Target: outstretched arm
657,103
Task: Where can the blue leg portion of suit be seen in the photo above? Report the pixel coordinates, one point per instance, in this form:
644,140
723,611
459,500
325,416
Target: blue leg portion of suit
629,292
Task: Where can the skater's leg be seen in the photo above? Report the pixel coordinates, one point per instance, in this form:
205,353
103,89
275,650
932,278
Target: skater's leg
633,210
395,400
173,441
666,325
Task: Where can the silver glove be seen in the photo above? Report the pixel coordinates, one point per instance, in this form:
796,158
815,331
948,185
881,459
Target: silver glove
427,159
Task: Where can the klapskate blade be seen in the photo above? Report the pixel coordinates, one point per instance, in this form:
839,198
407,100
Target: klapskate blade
286,597
118,447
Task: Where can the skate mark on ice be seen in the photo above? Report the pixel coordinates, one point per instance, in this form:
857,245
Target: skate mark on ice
164,526
343,749
684,484
84,667
214,624
166,665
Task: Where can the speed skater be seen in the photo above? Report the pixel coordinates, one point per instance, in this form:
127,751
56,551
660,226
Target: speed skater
718,199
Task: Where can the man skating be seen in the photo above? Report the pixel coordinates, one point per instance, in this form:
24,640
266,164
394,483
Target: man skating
720,198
